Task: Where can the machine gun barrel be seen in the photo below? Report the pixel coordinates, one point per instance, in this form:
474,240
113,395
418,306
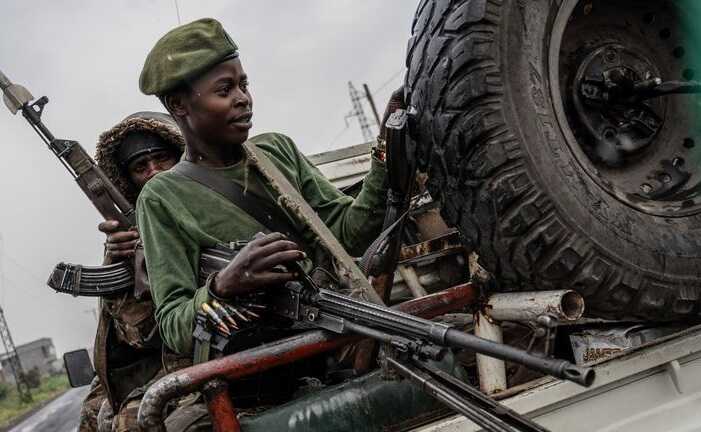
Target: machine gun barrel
333,304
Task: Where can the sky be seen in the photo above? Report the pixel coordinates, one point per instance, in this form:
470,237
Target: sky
86,57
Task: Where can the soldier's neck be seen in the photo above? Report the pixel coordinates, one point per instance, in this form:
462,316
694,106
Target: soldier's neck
213,156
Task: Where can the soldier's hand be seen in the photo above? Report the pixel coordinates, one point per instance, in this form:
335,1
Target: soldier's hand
254,267
120,244
396,101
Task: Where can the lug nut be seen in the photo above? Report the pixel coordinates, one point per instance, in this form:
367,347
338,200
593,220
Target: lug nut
610,56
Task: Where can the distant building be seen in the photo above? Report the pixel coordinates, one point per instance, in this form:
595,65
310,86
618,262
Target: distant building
39,354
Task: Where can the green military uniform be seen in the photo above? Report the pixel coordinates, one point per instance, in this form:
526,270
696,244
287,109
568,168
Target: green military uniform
178,217
128,349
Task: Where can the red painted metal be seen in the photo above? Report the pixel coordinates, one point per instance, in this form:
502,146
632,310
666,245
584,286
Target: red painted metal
231,367
442,302
278,353
220,407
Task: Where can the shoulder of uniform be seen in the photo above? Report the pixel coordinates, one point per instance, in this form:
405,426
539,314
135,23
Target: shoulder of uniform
161,184
278,145
272,139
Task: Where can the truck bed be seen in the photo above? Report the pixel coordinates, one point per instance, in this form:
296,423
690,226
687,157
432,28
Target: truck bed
653,387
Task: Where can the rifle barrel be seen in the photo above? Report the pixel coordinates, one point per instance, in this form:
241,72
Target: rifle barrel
555,367
4,81
406,325
430,385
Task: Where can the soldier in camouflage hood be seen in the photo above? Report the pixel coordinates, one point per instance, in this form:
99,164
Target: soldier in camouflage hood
128,348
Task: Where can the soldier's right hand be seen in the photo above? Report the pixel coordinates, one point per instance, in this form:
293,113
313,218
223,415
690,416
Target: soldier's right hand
254,267
120,244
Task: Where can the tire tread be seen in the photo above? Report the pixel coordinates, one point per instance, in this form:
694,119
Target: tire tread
478,171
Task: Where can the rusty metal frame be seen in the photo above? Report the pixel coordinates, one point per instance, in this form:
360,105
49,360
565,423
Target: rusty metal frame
274,354
443,245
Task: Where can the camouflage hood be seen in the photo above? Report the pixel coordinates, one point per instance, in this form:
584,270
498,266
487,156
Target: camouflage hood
106,150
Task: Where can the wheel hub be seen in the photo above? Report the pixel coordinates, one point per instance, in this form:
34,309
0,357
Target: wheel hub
622,100
604,95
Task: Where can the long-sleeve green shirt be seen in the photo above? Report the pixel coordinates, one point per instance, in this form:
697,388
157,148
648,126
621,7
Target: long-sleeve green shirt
177,217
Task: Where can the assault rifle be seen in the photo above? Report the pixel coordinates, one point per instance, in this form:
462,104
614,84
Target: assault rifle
95,184
108,200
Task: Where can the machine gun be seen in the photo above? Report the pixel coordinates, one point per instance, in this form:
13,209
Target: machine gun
408,340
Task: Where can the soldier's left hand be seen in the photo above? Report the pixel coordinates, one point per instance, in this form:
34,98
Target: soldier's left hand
120,244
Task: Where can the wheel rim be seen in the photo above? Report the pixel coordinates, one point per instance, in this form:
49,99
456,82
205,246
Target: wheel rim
606,61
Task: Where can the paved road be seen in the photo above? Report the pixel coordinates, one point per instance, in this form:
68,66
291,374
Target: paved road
61,415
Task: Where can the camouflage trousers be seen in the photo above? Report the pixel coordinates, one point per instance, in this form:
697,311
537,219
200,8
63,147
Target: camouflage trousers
96,413
91,407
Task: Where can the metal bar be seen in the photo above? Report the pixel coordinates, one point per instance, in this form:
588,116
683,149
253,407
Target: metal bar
491,371
231,367
412,281
427,383
220,407
564,305
323,158
508,415
443,302
445,244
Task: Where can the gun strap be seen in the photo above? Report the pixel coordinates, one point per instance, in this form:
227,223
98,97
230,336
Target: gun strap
270,216
348,271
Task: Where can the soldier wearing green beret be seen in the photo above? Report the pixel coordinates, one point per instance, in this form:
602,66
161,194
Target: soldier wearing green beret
196,72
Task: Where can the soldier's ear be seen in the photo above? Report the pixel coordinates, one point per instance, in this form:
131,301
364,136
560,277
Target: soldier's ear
176,104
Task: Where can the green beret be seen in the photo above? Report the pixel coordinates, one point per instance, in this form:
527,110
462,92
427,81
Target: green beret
185,53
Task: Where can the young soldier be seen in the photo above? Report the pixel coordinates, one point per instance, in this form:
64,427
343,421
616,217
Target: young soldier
127,344
197,74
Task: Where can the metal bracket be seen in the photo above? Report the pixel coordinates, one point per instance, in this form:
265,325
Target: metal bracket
38,106
674,369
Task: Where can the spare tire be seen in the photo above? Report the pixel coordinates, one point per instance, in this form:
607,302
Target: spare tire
552,147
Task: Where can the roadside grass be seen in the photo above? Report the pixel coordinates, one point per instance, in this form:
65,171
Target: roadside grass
11,407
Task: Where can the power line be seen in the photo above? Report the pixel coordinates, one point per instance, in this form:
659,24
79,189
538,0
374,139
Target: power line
11,352
388,82
26,270
339,135
177,11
